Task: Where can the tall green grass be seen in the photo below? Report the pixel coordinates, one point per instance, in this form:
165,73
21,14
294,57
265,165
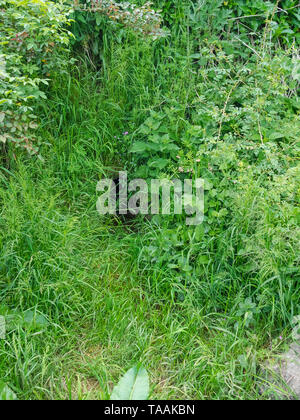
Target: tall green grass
107,289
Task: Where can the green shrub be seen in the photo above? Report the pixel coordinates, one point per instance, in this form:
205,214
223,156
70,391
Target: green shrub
33,35
254,15
96,20
247,18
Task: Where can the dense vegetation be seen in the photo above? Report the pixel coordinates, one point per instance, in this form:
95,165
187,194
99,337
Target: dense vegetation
204,89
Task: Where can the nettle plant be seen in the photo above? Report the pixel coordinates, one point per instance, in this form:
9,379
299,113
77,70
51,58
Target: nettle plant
33,34
281,16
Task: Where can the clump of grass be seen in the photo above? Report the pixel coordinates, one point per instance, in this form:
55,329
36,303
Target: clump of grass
202,308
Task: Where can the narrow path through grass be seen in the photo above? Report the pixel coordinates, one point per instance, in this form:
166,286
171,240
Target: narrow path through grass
84,275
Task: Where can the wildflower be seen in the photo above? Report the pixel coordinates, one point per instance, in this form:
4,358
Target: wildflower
181,169
125,133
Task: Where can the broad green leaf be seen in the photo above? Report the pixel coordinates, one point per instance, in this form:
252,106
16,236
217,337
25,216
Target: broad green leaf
134,385
99,19
197,55
6,394
276,135
159,163
95,47
139,147
207,185
28,319
145,130
36,319
203,259
170,147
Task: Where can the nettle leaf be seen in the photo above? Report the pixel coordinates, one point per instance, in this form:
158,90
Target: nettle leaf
170,147
6,394
144,130
153,124
139,147
155,147
159,163
195,56
276,135
134,385
208,185
156,138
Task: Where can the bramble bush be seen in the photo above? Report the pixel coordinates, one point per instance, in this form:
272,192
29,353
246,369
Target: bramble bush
142,19
96,20
34,33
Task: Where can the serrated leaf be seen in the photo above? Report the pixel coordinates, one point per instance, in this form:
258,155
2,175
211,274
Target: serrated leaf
134,385
159,163
276,135
139,147
208,185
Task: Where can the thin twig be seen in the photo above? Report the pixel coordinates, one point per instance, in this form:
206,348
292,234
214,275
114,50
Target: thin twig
263,14
225,106
248,46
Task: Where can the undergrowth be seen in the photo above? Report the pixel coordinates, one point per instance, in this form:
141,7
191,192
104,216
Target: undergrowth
201,307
